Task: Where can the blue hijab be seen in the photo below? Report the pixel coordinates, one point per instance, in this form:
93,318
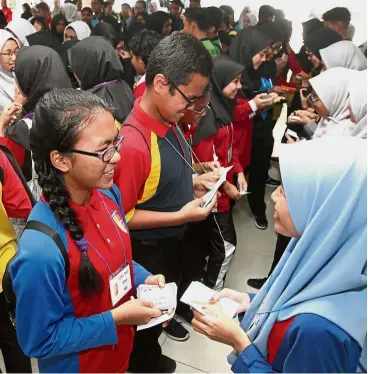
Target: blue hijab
324,271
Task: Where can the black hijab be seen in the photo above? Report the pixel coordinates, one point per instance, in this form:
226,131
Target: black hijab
113,22
105,30
54,22
44,38
27,14
95,62
156,21
225,70
63,52
38,70
272,31
3,21
321,39
311,26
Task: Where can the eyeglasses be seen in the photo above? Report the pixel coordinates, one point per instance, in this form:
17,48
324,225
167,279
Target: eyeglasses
106,155
313,98
189,101
200,113
309,53
10,54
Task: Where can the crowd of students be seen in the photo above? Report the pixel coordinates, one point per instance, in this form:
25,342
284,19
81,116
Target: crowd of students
113,127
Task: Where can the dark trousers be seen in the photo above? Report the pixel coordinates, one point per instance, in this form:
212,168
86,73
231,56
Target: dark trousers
262,147
167,257
220,232
14,359
281,245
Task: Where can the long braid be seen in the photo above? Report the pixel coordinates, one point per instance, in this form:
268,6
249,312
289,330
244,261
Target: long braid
64,126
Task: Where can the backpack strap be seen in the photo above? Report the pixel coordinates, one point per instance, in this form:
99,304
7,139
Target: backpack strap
18,170
114,194
39,226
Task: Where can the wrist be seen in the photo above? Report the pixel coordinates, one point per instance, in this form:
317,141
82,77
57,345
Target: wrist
241,341
179,218
117,317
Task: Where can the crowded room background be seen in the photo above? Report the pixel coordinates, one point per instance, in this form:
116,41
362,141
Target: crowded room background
137,141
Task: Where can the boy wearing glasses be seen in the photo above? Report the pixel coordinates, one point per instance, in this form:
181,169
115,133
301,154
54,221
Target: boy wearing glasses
156,176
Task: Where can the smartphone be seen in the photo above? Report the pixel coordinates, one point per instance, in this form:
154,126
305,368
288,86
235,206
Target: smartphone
306,92
292,134
267,97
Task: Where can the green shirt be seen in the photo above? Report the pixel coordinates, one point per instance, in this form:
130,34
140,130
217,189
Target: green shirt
213,51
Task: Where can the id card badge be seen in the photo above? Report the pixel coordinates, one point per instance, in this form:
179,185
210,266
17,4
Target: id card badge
120,283
230,154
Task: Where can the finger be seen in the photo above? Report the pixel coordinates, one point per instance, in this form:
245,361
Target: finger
155,313
219,295
161,280
197,329
207,185
147,304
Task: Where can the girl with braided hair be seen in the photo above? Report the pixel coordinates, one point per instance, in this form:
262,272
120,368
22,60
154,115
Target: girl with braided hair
78,320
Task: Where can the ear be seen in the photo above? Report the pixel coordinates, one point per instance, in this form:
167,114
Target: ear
61,162
160,84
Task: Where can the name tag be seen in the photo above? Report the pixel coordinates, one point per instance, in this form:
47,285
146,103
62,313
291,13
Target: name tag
120,284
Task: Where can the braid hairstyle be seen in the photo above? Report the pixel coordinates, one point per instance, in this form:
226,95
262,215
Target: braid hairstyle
59,119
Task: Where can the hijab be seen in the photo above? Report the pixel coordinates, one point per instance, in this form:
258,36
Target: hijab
324,272
38,70
155,6
105,30
113,22
70,11
44,38
96,64
21,28
311,26
63,52
225,70
27,14
54,23
272,31
321,39
343,54
3,21
7,82
358,101
81,29
253,20
331,87
156,21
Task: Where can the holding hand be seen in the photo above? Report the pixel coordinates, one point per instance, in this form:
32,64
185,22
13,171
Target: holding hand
134,312
305,117
220,328
231,191
242,183
242,298
8,116
156,280
204,182
193,211
263,103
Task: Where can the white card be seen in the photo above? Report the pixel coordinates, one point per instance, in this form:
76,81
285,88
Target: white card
198,296
120,284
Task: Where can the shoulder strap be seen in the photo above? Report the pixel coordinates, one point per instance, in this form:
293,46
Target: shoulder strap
17,169
144,138
39,226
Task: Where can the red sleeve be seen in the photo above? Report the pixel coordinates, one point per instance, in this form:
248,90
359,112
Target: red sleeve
238,168
133,169
204,150
294,64
17,150
242,110
14,197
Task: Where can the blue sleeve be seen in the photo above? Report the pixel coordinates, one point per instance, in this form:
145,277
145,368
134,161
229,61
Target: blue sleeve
140,274
312,344
46,326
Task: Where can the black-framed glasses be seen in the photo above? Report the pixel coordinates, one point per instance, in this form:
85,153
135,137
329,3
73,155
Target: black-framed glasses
106,155
189,101
313,98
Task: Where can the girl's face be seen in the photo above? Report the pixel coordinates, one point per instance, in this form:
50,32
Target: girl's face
313,59
166,30
284,224
70,34
60,27
316,103
83,172
8,55
231,90
150,8
260,58
38,26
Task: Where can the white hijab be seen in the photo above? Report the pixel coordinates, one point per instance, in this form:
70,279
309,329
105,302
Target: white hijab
358,101
331,87
81,29
155,5
344,54
7,81
21,28
70,12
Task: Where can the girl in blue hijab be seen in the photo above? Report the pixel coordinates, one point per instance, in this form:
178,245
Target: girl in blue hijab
311,315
